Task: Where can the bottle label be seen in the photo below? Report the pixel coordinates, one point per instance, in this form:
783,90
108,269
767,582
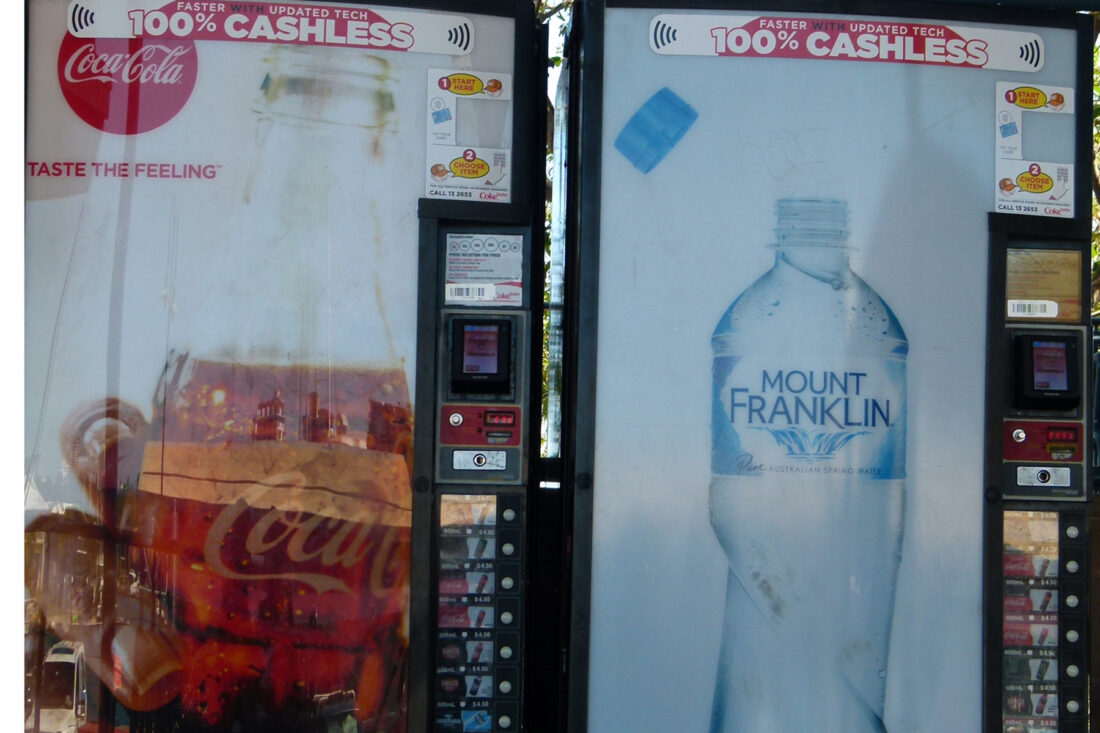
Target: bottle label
844,418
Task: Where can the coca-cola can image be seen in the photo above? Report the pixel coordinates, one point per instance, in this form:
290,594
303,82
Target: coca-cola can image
481,547
1044,636
480,617
479,686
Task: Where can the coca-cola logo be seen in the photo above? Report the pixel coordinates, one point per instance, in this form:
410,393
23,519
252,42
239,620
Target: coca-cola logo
126,86
297,539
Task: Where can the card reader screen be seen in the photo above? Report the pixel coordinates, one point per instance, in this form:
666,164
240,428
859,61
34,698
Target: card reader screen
1048,375
481,355
1050,366
480,349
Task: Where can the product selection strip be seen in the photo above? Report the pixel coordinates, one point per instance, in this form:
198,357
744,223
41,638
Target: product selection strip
1040,447
479,647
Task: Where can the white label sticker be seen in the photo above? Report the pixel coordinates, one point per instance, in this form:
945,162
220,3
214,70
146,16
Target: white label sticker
484,269
470,293
1032,309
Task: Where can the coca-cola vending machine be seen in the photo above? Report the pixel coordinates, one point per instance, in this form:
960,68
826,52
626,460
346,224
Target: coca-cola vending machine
830,361
252,232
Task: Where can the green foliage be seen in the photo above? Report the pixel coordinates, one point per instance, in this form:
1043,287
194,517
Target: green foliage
544,10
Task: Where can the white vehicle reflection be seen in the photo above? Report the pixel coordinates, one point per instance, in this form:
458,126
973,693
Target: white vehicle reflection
62,699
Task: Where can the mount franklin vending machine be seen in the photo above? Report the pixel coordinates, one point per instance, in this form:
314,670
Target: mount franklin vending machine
830,407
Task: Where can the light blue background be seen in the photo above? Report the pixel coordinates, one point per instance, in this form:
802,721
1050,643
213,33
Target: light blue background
911,148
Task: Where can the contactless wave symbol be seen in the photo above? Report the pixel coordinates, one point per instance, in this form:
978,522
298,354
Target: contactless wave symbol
80,18
1032,53
663,34
461,36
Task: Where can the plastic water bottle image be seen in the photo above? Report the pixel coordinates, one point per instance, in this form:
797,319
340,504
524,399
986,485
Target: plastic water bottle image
807,488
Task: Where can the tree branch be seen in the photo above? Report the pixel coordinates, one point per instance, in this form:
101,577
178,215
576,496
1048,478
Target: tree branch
543,13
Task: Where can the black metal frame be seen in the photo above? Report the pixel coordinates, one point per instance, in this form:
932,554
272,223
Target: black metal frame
1005,231
584,65
436,217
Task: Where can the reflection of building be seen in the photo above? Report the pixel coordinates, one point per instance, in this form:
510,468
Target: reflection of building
319,425
64,570
270,422
390,427
383,427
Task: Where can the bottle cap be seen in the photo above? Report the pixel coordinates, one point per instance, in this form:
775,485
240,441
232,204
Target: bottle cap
655,129
817,221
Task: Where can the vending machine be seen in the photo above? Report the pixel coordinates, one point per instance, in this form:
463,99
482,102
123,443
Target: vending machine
830,367
281,361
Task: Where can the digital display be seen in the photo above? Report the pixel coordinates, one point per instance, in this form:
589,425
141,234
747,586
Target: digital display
481,355
1050,367
1047,371
480,349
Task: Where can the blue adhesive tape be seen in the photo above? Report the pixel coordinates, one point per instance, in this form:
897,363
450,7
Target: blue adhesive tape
655,129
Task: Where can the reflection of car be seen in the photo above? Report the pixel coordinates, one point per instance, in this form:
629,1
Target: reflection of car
62,699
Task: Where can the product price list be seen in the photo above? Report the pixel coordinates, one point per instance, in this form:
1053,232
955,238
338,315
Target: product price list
1031,605
478,643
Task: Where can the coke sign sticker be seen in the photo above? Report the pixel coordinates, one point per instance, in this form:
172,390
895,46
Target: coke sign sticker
846,39
386,29
125,86
1036,188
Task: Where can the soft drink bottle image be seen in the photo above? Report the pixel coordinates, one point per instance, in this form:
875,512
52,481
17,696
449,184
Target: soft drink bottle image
807,490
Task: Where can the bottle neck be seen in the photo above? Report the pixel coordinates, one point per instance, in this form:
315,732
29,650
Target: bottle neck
812,236
824,263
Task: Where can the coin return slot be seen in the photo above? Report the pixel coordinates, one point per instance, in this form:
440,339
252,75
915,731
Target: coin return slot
1061,452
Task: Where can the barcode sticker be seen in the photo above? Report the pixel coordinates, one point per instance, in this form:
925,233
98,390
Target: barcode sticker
1032,309
470,293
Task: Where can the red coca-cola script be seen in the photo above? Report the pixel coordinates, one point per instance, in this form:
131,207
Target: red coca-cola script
274,507
126,86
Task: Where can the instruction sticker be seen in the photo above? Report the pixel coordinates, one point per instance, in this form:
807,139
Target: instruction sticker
484,269
469,127
1027,186
1043,284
